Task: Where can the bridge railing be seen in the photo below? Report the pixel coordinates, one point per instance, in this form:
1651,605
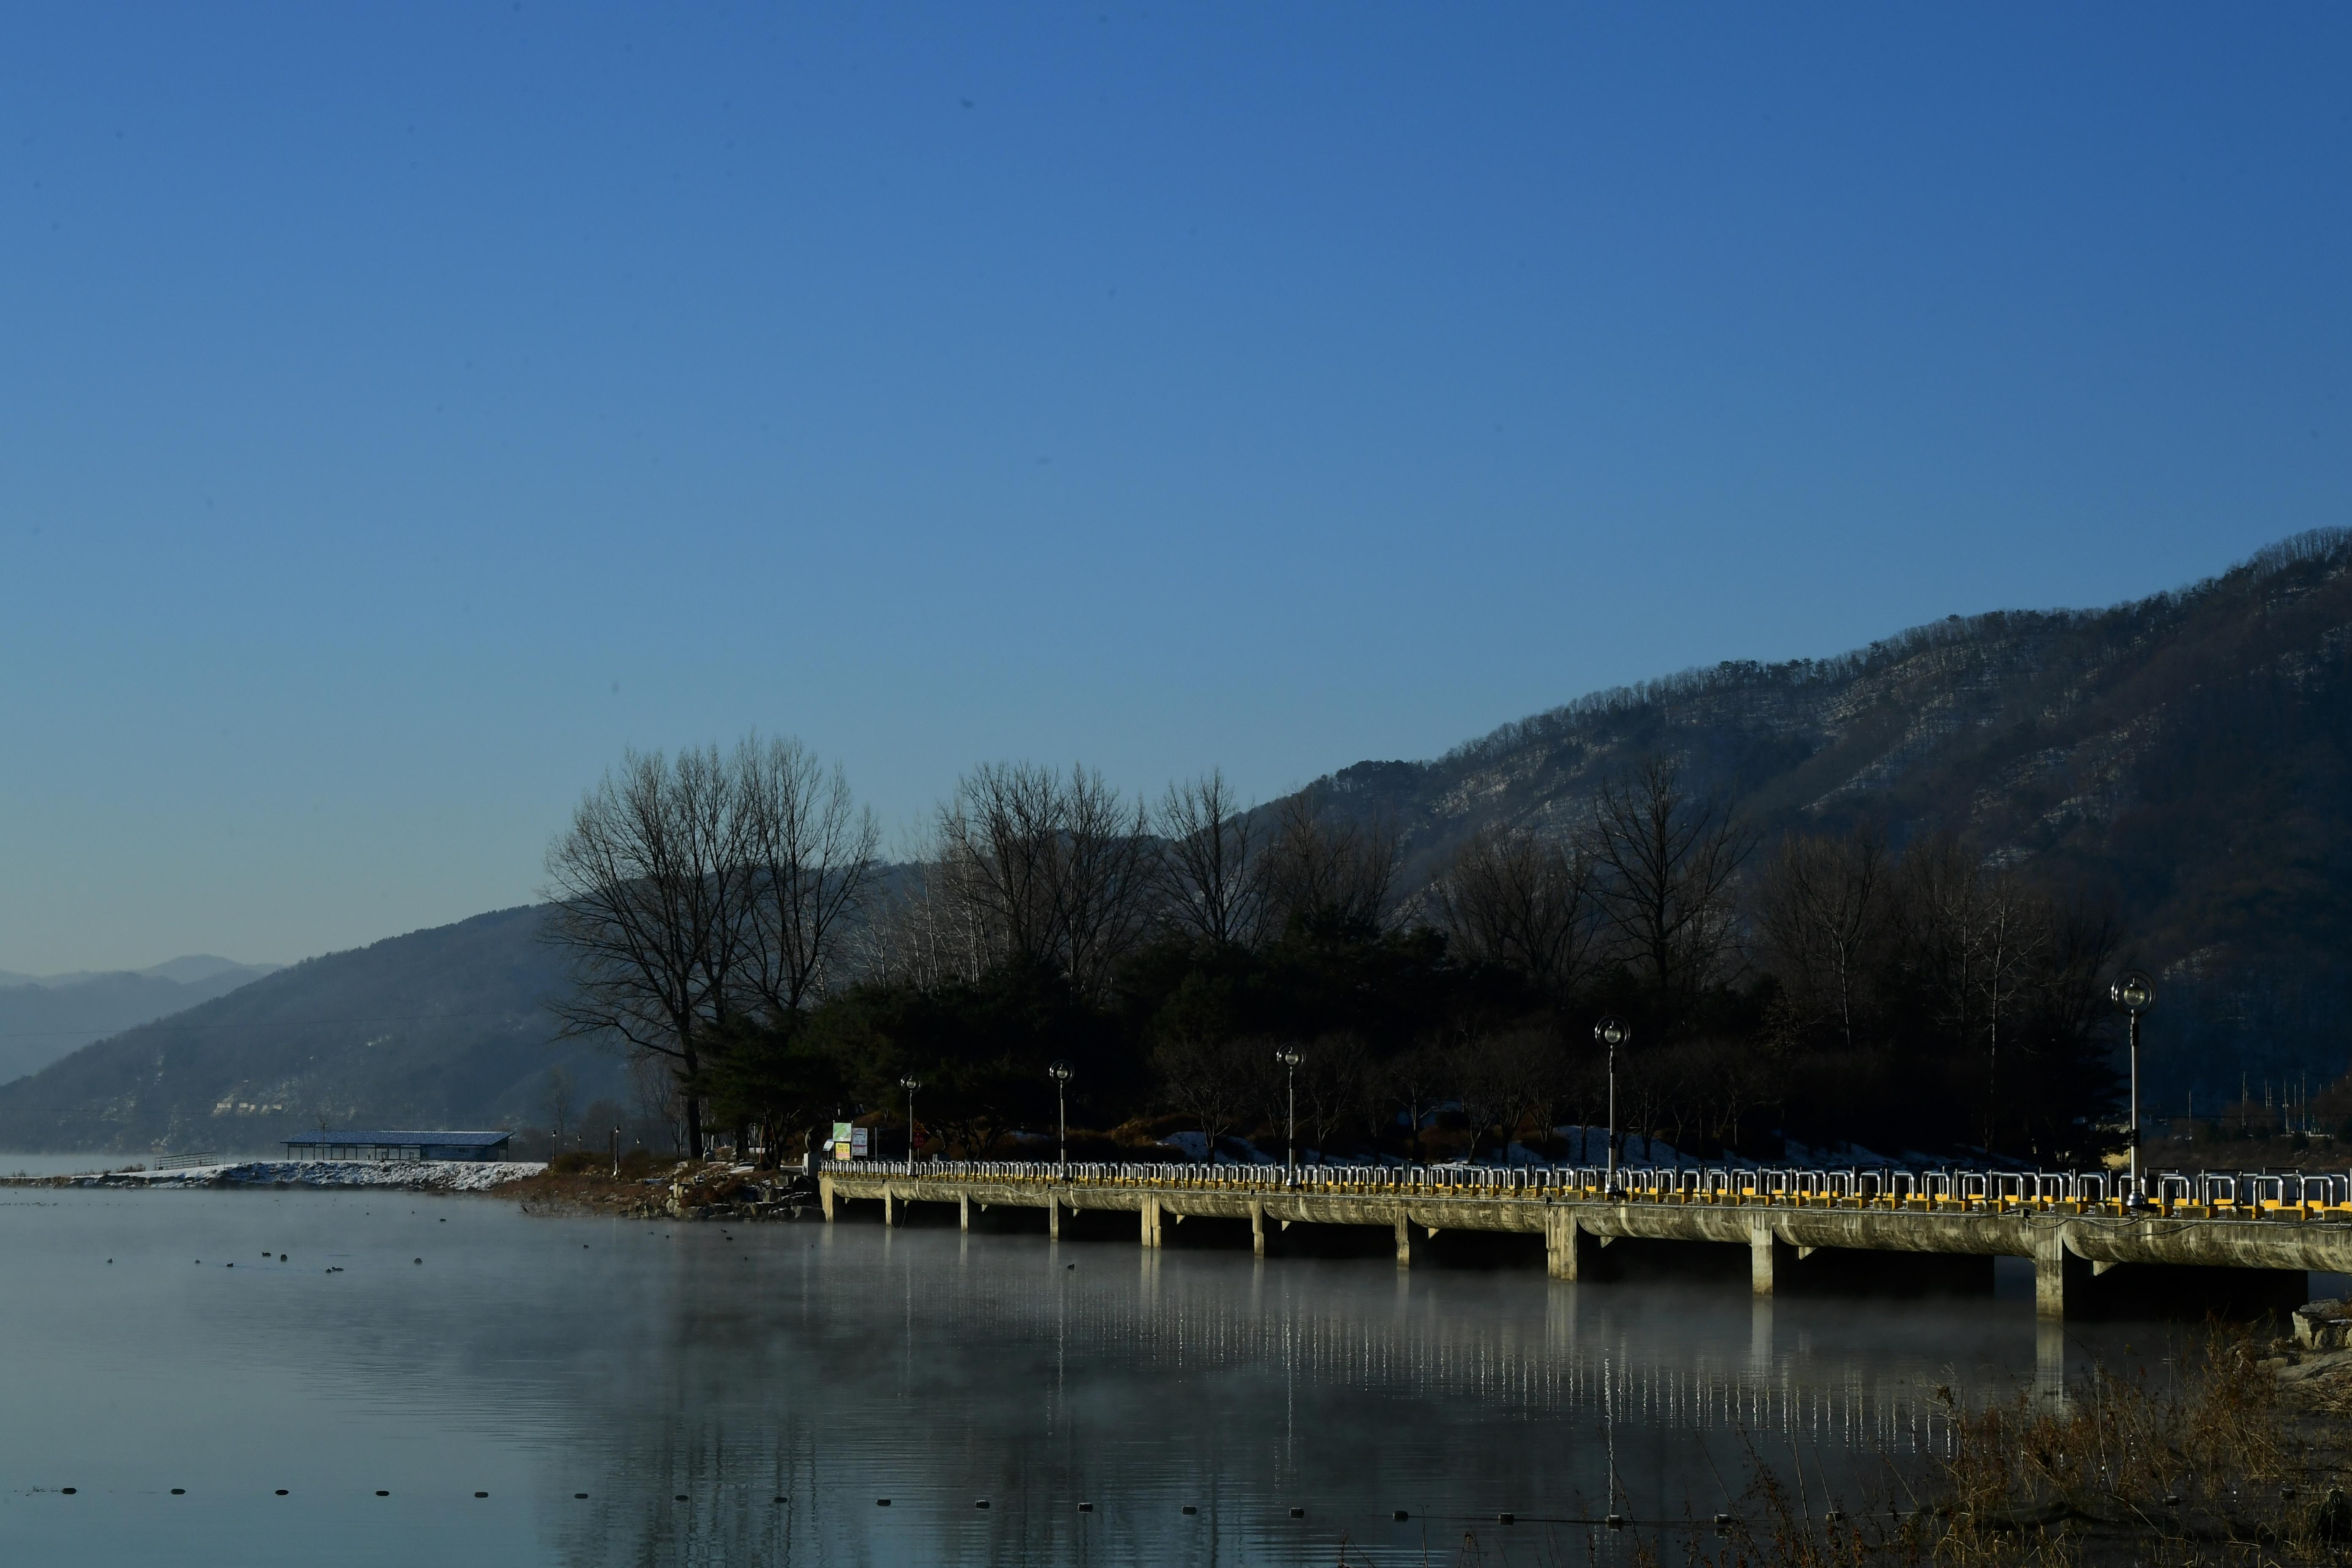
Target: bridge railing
2291,1194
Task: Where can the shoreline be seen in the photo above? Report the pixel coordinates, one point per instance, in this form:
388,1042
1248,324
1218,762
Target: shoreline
412,1176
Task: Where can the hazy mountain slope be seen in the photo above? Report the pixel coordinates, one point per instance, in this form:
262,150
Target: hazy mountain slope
2186,759
441,1027
42,1019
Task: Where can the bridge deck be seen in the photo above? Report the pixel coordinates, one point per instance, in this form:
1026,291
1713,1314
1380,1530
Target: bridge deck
2068,1239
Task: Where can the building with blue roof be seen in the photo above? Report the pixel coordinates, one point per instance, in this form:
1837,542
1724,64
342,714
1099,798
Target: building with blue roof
332,1144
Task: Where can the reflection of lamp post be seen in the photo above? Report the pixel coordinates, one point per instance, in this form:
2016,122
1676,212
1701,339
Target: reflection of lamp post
1290,1056
1061,1073
1612,1033
2134,994
911,1083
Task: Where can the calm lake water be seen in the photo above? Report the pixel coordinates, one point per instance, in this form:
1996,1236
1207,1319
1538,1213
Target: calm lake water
535,1359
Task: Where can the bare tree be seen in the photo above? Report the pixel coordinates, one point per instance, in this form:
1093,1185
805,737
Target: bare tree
1322,867
1821,915
1501,1079
1334,1085
649,891
1058,873
1667,859
1108,881
559,1106
810,850
1413,1081
1216,1079
1213,877
1526,903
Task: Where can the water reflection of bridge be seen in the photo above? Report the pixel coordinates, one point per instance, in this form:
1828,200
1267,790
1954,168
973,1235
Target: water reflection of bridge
1656,1359
936,1368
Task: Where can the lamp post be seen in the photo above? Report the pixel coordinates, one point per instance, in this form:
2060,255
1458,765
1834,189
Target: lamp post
1061,1073
2134,994
1290,1056
1612,1033
911,1083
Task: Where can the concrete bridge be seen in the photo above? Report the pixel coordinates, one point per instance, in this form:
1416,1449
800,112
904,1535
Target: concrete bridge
2268,1230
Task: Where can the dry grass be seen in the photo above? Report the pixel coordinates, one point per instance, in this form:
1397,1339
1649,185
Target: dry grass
2213,1466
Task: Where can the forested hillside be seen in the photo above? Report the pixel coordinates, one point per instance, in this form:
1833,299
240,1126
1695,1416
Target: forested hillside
2184,762
441,1027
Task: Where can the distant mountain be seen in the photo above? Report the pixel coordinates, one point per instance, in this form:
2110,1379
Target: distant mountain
2185,760
188,969
44,1018
439,1028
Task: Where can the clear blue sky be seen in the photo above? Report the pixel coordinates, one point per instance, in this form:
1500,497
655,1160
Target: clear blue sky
404,408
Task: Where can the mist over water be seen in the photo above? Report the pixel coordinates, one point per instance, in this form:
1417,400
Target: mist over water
535,1359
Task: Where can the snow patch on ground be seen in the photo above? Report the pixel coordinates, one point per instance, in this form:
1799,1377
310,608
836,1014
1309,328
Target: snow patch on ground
424,1175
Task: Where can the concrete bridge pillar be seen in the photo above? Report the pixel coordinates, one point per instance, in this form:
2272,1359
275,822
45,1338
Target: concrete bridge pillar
1053,1217
889,1210
1563,1245
1257,1229
2057,1273
964,1209
1404,1242
1760,1241
825,1197
1149,1216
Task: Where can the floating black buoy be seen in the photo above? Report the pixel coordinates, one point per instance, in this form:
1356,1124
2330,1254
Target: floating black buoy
179,1491
1190,1509
481,1494
384,1494
1400,1516
681,1498
67,1490
1506,1519
581,1495
1086,1507
420,1260
1615,1521
881,1502
1299,1513
980,1502
281,1492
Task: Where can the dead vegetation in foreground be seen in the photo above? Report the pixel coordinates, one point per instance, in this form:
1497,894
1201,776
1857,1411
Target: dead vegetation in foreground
2239,1459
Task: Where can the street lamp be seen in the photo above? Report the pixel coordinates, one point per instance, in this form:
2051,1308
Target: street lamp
2134,994
1061,1073
911,1083
1290,1056
1612,1033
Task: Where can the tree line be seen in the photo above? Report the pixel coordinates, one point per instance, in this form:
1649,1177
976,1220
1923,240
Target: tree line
728,922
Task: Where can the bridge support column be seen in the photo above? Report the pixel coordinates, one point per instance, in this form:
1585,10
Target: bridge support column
1760,1241
1563,1245
1150,1227
1257,1229
2057,1273
825,1197
1404,1242
964,1209
890,1209
1053,1217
